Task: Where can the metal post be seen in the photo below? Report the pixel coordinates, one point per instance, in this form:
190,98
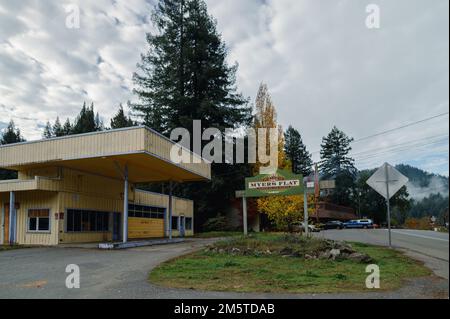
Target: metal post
170,210
305,208
12,218
388,205
125,206
244,215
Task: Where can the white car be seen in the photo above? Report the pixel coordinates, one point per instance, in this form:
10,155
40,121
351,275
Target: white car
311,228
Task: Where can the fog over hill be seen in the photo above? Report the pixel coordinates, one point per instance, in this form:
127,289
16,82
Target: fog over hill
422,184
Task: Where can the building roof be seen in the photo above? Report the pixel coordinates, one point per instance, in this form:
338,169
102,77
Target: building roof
143,150
334,212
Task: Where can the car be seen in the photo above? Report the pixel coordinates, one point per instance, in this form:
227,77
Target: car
312,228
334,224
359,223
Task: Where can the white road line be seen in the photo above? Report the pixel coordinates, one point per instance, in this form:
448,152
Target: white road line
420,236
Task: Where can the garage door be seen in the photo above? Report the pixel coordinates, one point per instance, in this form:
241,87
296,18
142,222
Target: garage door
140,228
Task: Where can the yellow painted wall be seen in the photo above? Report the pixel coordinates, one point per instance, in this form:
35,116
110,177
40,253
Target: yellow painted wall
77,190
34,200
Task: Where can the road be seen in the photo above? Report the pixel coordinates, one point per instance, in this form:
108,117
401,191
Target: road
40,273
430,247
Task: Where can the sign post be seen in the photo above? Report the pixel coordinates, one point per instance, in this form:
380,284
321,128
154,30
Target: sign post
387,181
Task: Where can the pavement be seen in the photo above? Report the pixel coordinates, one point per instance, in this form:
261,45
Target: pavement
430,247
122,274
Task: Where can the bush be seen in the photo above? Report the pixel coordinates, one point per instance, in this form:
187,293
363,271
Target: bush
218,223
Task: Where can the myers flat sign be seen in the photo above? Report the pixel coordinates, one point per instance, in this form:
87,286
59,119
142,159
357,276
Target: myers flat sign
281,183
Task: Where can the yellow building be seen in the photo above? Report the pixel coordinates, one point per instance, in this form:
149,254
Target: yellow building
82,188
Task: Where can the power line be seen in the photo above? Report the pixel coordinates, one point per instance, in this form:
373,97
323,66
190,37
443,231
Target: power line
398,149
396,129
400,127
441,136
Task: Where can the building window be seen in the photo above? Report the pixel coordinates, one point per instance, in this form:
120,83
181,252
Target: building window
174,222
140,211
188,222
39,220
87,221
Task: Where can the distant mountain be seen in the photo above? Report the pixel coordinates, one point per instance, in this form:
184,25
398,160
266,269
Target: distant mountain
422,184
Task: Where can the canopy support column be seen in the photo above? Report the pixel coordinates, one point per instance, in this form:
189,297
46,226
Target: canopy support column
170,209
125,205
12,218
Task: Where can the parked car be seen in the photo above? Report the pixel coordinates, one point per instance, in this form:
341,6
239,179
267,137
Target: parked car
334,224
301,227
312,228
359,223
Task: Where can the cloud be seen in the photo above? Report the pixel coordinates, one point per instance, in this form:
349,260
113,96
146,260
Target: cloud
323,66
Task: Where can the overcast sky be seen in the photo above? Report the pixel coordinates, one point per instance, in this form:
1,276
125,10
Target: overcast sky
323,66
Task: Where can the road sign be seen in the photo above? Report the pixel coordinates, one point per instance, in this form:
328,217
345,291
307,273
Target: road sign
281,183
387,181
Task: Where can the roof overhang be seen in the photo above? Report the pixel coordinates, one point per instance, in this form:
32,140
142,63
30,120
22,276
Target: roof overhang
145,152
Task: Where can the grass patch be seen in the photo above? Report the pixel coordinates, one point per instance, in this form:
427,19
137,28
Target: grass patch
210,270
11,247
218,234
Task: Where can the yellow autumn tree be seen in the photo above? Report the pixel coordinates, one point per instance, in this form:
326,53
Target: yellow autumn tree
282,210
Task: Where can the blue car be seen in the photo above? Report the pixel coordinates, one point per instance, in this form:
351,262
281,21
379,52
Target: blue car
359,223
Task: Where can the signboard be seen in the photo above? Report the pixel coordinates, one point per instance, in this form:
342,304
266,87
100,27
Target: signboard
281,183
387,181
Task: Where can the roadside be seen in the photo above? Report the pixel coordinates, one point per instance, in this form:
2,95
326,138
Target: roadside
429,247
40,273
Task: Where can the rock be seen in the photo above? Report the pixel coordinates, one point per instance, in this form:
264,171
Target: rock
325,255
310,257
334,253
221,251
361,258
235,251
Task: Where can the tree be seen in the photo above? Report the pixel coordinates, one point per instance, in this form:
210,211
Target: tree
281,210
296,152
184,76
120,120
67,128
10,135
334,154
87,121
336,164
48,131
58,130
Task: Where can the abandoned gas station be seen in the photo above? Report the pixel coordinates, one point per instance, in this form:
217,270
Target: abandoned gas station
82,189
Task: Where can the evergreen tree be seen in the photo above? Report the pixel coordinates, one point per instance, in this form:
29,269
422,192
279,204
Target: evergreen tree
184,75
48,131
58,129
67,128
10,135
121,120
296,152
336,164
334,154
87,121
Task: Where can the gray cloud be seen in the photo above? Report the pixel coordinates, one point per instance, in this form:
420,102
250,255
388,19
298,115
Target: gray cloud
323,66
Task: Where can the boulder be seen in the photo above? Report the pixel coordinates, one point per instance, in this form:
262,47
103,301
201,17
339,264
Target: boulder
361,258
335,253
